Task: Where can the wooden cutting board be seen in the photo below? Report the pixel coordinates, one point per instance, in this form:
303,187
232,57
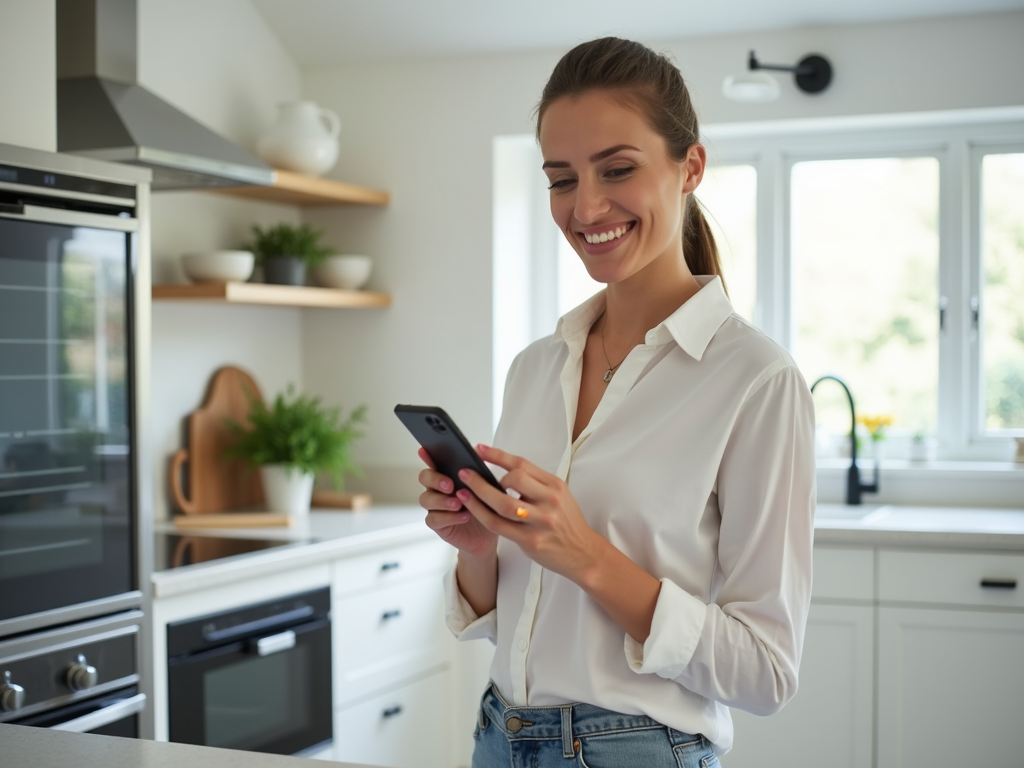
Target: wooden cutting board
216,483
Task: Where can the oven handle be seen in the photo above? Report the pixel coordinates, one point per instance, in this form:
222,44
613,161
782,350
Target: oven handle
117,711
283,641
40,213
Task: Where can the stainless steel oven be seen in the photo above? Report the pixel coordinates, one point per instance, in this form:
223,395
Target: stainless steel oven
256,678
73,253
82,677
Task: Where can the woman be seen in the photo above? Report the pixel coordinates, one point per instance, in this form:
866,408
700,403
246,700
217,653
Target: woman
651,566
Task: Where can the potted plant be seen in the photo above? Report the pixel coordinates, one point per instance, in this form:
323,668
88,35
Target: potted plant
285,251
290,441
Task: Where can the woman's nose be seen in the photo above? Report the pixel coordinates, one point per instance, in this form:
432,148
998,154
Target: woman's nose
591,203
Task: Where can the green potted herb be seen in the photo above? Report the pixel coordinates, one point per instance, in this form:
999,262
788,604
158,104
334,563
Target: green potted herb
285,251
292,440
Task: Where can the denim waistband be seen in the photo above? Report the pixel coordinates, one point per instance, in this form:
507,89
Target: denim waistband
568,721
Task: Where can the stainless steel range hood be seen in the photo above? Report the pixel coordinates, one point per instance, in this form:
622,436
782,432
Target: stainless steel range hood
103,112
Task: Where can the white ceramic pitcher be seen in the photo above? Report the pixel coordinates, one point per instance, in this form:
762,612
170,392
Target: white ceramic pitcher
304,139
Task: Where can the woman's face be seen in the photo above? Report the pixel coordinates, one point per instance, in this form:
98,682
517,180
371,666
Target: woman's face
616,194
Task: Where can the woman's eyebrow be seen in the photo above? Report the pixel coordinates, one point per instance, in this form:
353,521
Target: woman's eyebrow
593,158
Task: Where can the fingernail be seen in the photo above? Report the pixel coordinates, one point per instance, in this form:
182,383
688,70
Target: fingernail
446,485
464,474
481,447
463,494
463,518
454,504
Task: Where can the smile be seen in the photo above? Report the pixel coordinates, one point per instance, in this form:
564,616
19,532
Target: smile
604,237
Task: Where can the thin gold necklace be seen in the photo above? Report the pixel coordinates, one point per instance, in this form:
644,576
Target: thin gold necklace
611,368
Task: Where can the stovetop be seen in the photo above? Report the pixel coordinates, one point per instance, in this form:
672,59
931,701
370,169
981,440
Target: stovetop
174,550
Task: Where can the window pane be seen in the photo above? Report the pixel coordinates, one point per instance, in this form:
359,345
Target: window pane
575,285
865,259
1002,229
728,194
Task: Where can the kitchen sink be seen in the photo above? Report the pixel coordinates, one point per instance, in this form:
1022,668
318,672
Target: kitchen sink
846,511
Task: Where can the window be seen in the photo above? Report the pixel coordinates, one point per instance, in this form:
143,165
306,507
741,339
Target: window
728,194
1002,301
864,250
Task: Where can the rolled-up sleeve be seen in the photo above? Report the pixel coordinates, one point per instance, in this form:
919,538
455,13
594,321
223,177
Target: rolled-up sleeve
462,621
744,649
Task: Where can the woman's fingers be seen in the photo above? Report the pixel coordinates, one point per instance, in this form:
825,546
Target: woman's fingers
437,521
497,500
434,480
485,514
431,500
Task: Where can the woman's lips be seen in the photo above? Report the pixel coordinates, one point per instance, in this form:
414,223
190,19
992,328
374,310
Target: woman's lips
605,238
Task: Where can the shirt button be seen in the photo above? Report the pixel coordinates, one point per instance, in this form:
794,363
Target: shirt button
522,645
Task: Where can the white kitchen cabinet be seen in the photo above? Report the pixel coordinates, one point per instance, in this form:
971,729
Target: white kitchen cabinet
402,728
951,660
392,657
829,721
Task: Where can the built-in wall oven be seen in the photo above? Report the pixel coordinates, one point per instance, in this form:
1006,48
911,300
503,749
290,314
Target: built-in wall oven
74,546
256,677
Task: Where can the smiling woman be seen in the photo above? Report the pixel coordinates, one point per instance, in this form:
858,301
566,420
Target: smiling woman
658,459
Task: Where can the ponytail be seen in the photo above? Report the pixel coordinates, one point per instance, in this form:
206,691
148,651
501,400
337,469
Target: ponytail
699,247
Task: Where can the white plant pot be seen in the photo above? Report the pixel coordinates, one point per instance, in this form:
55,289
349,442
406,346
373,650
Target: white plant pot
287,489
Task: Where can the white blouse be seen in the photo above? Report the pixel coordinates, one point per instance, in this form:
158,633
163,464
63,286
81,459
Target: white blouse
698,464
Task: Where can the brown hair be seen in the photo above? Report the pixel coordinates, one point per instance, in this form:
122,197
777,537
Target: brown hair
654,85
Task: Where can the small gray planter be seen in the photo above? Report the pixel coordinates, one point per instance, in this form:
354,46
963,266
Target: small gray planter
284,270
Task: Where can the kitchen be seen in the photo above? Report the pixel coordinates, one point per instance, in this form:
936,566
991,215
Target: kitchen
422,128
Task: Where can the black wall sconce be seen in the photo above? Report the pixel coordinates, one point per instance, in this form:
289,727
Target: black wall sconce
812,74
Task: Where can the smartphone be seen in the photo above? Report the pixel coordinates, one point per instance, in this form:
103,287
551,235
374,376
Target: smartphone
447,446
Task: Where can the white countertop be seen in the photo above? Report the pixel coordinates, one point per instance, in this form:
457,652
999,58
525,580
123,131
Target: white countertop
328,535
24,747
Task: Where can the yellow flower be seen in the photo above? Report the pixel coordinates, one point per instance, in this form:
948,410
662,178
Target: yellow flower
876,424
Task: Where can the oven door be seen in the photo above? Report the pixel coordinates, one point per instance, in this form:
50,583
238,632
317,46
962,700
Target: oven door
115,714
270,693
66,432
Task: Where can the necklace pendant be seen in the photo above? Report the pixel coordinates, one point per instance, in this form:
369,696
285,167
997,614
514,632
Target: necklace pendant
608,375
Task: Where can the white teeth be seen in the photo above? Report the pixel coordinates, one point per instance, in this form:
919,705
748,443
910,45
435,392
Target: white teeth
604,237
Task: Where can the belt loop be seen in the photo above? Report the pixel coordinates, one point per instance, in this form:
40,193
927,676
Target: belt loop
567,750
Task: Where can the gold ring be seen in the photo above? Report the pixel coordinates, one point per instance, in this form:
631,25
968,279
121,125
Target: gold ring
522,513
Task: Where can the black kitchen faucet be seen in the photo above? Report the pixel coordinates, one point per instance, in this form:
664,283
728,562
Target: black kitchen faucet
854,485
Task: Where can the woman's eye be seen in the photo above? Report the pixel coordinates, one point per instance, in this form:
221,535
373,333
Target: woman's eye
618,173
561,183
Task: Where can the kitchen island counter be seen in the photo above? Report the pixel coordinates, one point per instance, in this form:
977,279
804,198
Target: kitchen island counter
24,747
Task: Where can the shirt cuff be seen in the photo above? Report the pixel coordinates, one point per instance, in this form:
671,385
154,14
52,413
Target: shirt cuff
462,621
675,631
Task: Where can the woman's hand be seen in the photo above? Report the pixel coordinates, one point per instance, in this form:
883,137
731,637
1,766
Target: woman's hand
545,521
447,517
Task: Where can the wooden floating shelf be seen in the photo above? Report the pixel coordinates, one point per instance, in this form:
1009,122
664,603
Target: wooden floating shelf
279,295
297,189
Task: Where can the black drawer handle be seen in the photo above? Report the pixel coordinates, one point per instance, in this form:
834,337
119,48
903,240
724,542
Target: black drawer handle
392,711
999,583
390,566
390,615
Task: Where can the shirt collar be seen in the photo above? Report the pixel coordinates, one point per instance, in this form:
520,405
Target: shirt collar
692,326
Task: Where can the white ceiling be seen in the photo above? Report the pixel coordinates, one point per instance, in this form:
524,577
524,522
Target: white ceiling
324,33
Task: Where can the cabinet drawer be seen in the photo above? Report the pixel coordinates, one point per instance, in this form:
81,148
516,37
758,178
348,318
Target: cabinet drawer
843,573
389,566
983,579
385,635
406,728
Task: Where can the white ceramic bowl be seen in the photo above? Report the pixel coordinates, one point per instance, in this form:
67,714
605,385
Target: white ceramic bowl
218,266
347,271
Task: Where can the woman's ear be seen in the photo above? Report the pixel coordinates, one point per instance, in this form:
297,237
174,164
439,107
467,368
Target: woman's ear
693,167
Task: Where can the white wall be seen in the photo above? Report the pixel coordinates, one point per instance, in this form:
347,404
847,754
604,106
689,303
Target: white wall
220,63
424,131
28,72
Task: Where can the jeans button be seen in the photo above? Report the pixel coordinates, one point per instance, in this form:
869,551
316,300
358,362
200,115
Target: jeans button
514,724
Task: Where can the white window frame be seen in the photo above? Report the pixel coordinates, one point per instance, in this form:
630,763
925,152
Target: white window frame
958,140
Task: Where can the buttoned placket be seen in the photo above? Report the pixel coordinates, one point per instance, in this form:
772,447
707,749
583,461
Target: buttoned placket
629,372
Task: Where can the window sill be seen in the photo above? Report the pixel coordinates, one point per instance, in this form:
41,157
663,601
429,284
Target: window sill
940,483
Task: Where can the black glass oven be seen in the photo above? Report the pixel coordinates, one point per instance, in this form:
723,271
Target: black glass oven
256,678
67,441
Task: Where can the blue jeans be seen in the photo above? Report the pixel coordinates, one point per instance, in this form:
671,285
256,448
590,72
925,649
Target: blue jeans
580,735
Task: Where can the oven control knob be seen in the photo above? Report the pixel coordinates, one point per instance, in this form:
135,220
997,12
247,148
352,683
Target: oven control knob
12,696
81,675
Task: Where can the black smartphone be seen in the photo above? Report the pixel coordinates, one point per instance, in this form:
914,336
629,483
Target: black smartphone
447,446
